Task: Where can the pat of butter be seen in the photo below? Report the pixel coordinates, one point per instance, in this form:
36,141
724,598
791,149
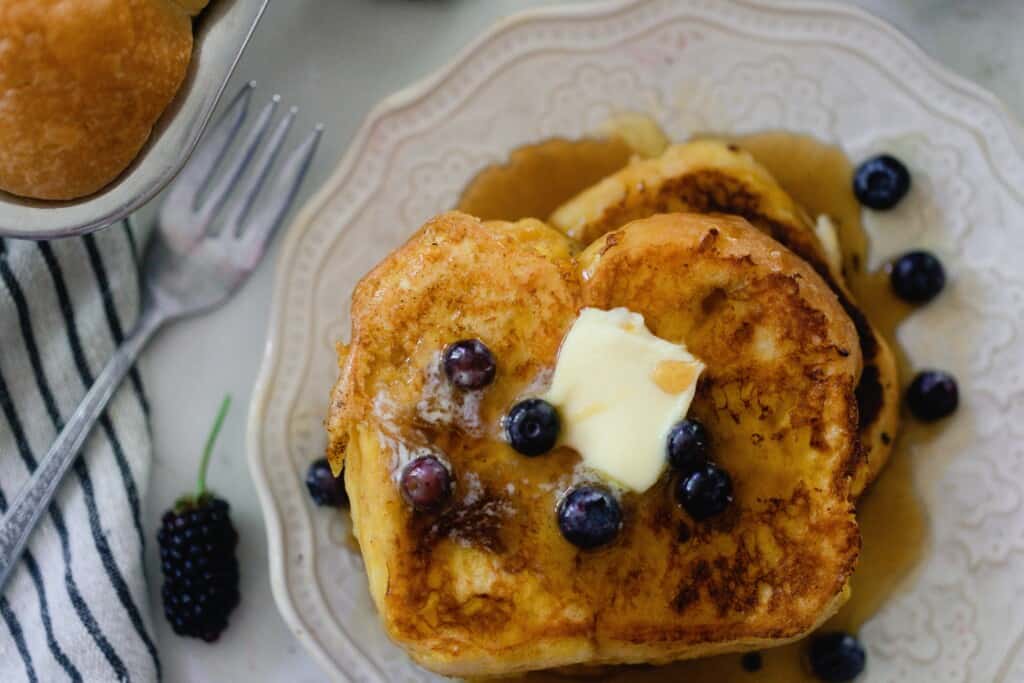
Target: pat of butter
618,390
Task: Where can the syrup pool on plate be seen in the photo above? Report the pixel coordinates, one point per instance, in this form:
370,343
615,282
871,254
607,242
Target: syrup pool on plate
538,178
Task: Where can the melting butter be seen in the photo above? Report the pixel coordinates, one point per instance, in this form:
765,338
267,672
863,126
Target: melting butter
825,229
619,389
674,376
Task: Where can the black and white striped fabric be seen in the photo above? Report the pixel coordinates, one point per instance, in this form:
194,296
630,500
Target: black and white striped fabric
76,609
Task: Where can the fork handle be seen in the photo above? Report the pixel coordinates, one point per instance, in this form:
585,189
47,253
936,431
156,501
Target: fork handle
35,496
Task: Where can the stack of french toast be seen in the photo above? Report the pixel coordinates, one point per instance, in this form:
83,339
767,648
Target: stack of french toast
480,556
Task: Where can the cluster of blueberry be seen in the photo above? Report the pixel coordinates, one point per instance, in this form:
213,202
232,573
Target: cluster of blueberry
916,277
703,489
426,482
589,516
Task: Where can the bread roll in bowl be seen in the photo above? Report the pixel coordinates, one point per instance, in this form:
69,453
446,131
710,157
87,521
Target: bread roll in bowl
82,82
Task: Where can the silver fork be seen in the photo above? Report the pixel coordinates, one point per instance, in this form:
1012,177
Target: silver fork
205,247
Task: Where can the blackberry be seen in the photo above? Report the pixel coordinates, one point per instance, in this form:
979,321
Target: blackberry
197,553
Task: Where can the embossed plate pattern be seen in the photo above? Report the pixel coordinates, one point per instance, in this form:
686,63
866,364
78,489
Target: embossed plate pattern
696,65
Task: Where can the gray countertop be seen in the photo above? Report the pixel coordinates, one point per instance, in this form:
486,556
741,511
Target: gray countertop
336,59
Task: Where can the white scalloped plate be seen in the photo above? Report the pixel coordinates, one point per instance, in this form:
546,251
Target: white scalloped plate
726,65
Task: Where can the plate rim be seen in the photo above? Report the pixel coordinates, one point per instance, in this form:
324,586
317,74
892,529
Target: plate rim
408,95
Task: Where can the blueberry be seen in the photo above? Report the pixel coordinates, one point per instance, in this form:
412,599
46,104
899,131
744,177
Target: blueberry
917,277
932,395
705,492
532,426
426,483
881,182
324,488
836,657
589,517
752,661
687,446
469,364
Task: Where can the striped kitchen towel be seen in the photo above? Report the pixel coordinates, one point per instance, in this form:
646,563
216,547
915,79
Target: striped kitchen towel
76,609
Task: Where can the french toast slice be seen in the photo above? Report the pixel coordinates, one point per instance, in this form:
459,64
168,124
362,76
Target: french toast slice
488,585
711,176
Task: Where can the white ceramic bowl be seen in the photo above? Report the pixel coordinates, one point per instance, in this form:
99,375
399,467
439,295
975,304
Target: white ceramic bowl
696,65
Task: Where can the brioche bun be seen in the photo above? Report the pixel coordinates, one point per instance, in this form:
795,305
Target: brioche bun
81,84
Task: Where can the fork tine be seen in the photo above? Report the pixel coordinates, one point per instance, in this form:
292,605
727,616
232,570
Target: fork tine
184,193
229,178
282,194
250,188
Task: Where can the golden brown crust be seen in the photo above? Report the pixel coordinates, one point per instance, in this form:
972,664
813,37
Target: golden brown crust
781,361
454,277
81,84
702,177
709,176
488,585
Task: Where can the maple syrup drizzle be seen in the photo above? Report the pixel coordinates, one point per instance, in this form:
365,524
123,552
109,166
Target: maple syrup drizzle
538,178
